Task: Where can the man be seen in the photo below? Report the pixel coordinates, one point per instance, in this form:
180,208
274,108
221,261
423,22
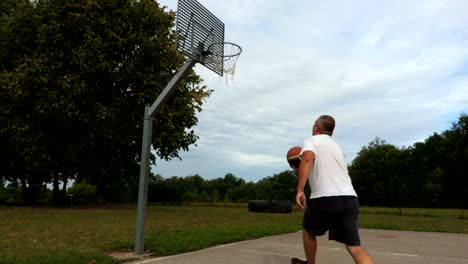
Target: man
333,205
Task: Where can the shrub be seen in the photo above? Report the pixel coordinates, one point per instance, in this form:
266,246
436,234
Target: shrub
83,193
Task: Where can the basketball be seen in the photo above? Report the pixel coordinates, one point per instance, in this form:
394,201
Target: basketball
293,157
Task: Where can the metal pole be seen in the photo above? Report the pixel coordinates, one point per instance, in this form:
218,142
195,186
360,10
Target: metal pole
170,87
143,187
150,112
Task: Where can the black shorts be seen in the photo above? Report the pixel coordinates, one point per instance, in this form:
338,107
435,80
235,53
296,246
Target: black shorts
336,214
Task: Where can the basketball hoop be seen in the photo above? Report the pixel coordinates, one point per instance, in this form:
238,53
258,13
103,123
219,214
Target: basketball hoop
200,36
230,55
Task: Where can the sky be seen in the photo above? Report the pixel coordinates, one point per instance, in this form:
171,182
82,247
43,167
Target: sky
397,70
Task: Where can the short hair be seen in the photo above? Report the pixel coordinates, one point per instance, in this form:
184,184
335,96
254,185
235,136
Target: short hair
326,124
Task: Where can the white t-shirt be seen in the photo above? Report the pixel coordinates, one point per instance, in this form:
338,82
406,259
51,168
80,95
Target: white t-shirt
329,176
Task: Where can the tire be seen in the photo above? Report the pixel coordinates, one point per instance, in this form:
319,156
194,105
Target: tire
259,206
282,206
274,206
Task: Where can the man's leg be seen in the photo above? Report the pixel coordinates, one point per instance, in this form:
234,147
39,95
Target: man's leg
359,255
310,249
310,246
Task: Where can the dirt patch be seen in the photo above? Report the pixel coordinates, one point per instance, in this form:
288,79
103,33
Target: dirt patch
128,255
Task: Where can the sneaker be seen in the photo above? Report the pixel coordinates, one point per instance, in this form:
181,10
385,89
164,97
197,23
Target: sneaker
298,261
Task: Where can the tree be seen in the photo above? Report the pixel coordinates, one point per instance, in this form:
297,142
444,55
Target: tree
440,167
428,162
281,186
455,165
75,92
16,33
428,174
377,174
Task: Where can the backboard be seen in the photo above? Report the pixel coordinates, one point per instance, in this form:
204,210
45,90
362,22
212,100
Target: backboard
199,34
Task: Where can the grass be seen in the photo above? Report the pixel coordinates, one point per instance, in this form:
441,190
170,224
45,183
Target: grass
415,219
424,212
48,235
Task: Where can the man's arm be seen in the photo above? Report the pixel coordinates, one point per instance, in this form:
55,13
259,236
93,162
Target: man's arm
307,164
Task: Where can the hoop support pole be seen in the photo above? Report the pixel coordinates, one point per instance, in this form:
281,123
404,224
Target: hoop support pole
171,86
150,112
143,185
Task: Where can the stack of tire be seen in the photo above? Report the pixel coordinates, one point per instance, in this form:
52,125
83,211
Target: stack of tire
270,206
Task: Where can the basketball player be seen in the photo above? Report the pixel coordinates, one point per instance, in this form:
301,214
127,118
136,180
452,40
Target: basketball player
333,205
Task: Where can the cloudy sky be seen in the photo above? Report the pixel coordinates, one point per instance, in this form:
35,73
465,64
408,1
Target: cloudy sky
397,70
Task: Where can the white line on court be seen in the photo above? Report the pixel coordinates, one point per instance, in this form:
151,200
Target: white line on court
404,255
449,259
457,236
418,256
396,254
382,253
190,253
267,252
285,255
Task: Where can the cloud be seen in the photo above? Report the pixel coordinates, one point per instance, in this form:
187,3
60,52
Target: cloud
246,159
397,70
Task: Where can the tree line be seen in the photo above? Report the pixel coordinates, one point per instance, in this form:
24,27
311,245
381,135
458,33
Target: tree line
175,190
432,173
229,189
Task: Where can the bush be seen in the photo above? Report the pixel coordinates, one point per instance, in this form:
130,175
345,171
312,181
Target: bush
12,193
3,194
83,193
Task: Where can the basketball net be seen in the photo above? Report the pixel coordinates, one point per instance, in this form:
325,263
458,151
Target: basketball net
231,55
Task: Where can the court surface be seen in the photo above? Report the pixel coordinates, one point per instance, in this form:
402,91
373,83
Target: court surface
386,247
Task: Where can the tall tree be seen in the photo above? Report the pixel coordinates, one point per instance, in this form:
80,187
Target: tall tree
378,174
455,180
74,104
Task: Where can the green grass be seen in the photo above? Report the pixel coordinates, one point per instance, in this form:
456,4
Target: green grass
415,219
47,235
424,212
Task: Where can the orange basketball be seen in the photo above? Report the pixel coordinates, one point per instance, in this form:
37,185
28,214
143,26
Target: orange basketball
293,157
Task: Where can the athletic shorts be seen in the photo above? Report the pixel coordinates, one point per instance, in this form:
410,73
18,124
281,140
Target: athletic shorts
336,214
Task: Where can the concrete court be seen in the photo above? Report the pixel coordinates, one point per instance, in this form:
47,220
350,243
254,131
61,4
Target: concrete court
386,247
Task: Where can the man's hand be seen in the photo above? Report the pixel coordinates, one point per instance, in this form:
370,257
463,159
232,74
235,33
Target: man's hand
301,200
